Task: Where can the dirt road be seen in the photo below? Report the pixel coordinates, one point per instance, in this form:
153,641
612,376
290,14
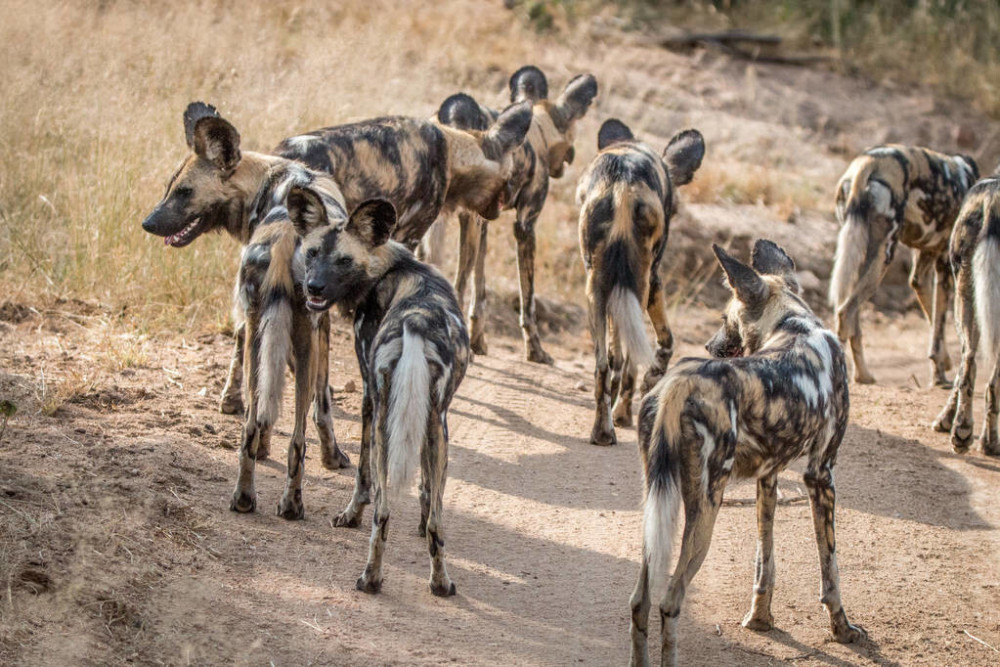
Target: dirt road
117,546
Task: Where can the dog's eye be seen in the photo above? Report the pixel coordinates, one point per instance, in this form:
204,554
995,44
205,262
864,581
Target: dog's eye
311,253
183,191
343,260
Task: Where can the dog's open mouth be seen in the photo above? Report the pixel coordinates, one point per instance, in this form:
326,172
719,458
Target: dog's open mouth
185,236
317,303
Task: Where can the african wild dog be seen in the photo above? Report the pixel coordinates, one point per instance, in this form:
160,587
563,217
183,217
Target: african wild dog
280,328
544,155
780,393
893,194
975,262
626,199
413,350
222,188
419,166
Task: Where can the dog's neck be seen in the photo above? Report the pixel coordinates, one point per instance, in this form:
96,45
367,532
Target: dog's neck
252,175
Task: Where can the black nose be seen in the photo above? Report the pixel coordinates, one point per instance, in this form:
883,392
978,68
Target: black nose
314,287
149,224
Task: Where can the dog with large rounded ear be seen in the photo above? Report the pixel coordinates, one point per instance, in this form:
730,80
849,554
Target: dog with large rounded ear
508,132
372,222
613,131
769,258
576,98
528,83
683,156
305,209
464,112
745,283
212,137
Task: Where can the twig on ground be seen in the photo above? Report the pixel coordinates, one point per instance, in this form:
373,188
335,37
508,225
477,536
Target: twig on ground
989,646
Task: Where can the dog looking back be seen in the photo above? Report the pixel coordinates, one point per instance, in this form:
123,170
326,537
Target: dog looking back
413,350
889,195
778,391
626,198
975,261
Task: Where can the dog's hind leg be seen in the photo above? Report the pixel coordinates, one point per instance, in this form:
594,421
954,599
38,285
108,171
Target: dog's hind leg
603,432
434,458
350,517
922,282
822,496
477,312
944,292
231,402
623,404
370,580
656,307
759,617
291,506
468,237
245,496
524,232
957,414
331,456
989,441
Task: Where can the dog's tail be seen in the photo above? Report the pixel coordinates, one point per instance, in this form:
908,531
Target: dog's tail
274,343
663,496
852,242
409,406
986,281
621,264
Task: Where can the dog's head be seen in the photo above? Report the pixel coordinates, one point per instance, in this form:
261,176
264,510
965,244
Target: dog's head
761,298
198,197
682,157
481,161
557,120
342,259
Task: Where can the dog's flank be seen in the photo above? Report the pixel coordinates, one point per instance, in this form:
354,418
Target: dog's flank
413,350
890,195
626,198
975,261
547,149
784,396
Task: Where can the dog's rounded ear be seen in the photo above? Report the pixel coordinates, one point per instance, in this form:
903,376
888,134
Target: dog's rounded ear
195,112
683,156
575,100
305,209
611,132
218,142
508,132
528,83
463,112
746,285
769,258
372,221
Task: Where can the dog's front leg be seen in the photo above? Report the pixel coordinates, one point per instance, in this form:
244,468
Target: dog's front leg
231,402
331,456
943,294
759,618
351,516
524,232
656,307
291,506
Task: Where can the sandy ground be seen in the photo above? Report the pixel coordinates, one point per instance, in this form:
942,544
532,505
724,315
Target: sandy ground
117,546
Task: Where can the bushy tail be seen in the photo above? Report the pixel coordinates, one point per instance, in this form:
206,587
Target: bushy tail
274,333
852,246
986,281
409,405
659,521
626,314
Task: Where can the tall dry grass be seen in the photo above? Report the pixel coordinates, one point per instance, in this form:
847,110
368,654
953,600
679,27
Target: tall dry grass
90,122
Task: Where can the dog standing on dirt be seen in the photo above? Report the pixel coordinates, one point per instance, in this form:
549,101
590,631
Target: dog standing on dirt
779,392
280,328
975,262
413,350
220,187
892,194
544,154
626,198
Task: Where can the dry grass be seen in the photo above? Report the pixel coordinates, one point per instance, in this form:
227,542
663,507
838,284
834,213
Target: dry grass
761,185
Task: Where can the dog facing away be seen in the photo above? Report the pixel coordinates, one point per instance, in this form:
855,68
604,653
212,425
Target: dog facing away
280,328
975,262
626,199
413,350
889,195
778,392
220,187
546,151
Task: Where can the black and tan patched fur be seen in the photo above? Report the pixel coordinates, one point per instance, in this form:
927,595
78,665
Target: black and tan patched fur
626,199
221,188
975,263
890,195
413,350
779,394
544,154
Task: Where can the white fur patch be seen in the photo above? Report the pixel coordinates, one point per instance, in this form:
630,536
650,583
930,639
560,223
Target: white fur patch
275,334
626,313
986,283
659,522
707,447
409,404
881,197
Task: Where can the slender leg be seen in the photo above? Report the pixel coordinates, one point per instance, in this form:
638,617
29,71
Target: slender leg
989,440
759,618
603,432
477,313
657,309
849,322
639,628
944,292
957,414
245,496
350,517
436,456
231,402
822,497
370,580
922,282
467,238
623,404
524,231
291,506
331,455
